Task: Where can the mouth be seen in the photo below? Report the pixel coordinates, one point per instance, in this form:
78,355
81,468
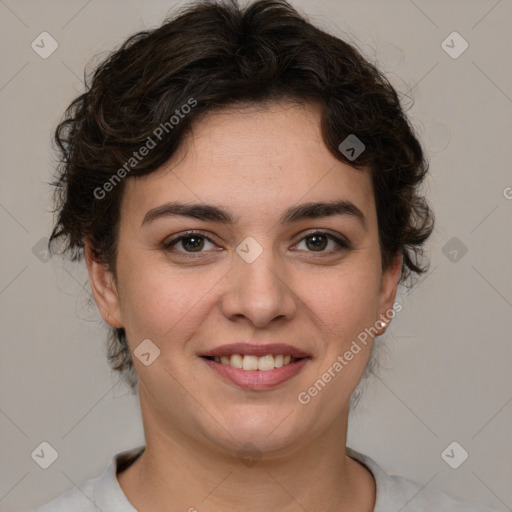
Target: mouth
256,373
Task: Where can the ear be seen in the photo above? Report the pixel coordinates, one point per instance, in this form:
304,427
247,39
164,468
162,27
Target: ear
387,293
103,288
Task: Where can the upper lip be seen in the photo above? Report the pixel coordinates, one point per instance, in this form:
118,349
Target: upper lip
255,350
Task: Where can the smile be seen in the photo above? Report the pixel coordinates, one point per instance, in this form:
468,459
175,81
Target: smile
256,373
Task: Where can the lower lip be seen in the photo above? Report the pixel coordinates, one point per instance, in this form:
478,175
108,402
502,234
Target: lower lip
257,380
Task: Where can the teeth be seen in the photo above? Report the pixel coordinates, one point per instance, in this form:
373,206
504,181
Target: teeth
266,363
247,362
237,361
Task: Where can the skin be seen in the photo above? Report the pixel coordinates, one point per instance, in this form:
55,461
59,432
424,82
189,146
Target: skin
254,162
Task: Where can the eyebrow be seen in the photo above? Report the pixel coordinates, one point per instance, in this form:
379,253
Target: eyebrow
208,212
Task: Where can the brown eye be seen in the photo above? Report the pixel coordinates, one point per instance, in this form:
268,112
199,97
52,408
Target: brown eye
316,242
190,243
196,243
319,241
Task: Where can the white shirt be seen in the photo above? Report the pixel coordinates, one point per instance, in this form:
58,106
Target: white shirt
393,493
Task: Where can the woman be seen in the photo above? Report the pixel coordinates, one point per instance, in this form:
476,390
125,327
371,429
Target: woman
244,188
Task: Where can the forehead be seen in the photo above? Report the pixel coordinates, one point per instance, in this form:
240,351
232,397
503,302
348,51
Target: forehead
253,159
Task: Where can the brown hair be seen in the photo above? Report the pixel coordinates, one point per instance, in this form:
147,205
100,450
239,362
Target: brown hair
211,55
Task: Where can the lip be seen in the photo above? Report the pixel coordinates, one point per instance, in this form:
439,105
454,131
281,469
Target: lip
257,380
259,350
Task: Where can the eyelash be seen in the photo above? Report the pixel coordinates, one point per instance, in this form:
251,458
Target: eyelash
169,246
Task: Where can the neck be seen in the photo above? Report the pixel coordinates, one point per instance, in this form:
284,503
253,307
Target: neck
178,473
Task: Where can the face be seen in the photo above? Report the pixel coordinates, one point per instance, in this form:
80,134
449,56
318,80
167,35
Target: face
312,280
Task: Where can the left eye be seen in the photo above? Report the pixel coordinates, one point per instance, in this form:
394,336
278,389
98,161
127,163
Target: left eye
320,240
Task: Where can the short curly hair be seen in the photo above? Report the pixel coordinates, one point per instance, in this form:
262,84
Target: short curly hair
212,55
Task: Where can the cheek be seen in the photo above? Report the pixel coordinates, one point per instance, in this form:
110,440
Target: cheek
344,311
345,302
154,312
157,302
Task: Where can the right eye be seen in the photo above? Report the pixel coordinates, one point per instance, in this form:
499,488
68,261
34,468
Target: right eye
193,240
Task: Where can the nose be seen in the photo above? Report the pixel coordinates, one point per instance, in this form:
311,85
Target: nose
260,292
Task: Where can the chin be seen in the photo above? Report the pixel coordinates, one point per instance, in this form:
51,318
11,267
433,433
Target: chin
272,434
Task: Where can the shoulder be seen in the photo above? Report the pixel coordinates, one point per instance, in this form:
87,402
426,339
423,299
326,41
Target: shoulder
414,497
77,499
101,493
399,493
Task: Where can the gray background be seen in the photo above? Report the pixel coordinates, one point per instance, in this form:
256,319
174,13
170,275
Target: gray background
447,375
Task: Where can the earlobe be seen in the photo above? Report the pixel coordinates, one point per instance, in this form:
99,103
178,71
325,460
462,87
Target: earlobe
103,288
389,285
